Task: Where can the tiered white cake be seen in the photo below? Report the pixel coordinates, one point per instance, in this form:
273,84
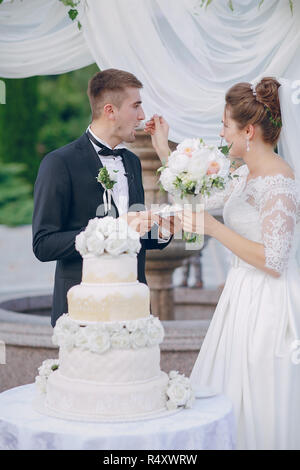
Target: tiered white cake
109,357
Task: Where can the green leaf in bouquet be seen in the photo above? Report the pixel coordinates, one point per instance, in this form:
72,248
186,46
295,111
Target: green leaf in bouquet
160,169
161,188
225,149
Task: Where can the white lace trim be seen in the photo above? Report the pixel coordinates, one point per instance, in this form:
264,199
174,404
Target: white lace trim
219,199
277,200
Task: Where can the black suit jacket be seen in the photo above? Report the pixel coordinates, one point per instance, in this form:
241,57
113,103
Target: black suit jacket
66,196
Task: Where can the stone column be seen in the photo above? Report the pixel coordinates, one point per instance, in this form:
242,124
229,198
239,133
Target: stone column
160,264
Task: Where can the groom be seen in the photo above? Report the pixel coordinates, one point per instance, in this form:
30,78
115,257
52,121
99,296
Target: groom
67,194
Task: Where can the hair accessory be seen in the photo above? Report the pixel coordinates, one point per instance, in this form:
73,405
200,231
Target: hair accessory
253,87
275,121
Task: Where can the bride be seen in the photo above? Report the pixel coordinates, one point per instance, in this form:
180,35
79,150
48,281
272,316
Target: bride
249,350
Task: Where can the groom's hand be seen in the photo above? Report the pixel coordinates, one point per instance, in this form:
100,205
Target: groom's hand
141,222
169,225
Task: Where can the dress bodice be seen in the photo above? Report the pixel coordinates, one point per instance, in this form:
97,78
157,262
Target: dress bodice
266,210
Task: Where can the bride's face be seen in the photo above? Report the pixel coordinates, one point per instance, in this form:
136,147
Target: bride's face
233,135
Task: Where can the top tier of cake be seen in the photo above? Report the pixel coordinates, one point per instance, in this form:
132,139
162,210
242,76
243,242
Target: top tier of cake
109,290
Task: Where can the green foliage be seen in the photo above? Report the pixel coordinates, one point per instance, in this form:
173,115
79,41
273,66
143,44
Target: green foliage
63,108
206,3
19,125
41,114
73,12
16,203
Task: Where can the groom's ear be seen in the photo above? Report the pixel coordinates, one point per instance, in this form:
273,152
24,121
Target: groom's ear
108,111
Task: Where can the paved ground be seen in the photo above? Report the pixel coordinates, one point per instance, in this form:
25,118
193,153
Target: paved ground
21,271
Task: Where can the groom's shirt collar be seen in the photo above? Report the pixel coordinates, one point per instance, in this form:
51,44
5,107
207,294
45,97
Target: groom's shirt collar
119,146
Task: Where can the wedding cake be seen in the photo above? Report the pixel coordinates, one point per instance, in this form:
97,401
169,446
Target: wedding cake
109,356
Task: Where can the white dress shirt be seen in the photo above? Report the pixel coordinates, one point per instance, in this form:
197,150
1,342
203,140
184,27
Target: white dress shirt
120,191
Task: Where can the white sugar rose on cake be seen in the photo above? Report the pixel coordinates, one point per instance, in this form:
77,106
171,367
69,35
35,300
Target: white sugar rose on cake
109,353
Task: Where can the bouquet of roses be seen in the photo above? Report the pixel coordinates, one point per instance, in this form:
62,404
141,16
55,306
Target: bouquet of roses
194,172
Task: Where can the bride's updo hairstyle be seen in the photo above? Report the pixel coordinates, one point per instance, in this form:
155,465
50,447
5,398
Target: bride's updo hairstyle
249,104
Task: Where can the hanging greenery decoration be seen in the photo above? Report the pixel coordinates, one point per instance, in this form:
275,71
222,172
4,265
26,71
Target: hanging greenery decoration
206,3
73,12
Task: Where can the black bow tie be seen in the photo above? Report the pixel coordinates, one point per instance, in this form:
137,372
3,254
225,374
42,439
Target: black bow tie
105,151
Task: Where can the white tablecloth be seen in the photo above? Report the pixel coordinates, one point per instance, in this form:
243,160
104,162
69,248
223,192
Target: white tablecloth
208,425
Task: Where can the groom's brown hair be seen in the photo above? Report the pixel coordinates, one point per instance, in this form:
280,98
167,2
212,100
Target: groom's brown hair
109,86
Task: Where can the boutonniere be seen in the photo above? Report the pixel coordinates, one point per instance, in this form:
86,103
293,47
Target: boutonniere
107,180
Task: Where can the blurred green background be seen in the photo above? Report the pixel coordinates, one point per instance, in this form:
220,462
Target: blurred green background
41,114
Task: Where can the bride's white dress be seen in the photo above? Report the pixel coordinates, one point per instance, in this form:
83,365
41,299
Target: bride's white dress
251,351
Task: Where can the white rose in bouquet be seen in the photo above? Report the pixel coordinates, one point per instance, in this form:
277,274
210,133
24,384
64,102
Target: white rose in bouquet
193,173
188,146
198,163
178,162
167,179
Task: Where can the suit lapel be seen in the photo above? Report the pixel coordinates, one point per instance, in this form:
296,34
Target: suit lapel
131,176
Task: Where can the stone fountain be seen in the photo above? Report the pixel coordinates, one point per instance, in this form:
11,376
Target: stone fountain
160,263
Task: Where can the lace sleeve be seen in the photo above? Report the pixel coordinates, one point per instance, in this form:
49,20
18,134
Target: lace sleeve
219,198
278,211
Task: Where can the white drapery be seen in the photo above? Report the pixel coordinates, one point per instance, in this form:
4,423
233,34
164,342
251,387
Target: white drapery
185,56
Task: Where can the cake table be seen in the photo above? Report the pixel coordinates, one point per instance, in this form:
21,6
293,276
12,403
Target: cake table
208,425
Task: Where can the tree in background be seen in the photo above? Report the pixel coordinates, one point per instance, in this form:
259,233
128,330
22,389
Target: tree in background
63,108
41,114
16,203
19,125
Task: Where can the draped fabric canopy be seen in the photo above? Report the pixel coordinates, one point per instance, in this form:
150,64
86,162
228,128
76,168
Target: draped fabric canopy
186,56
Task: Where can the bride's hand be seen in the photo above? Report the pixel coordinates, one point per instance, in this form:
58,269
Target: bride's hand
197,222
158,128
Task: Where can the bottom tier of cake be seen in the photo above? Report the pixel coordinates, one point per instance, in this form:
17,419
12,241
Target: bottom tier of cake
97,401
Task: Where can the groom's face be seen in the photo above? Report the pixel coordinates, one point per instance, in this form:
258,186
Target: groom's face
129,116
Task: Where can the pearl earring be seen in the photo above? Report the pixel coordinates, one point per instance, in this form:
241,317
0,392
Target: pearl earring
247,144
